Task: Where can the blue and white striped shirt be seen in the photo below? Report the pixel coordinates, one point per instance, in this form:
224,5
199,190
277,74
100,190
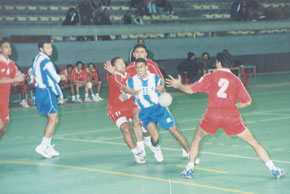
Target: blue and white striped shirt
45,73
148,95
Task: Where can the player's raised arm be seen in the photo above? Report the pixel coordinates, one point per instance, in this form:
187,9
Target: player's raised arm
109,67
176,83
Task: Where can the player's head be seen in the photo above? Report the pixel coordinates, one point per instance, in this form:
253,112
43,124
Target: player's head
79,65
91,66
140,41
69,67
45,47
140,51
5,47
190,56
119,64
205,56
141,67
223,59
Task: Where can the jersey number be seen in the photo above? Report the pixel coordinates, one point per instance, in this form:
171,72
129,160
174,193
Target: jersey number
223,84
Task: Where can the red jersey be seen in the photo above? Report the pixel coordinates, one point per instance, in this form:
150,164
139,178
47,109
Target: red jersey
93,75
223,89
115,82
152,67
78,75
66,74
8,70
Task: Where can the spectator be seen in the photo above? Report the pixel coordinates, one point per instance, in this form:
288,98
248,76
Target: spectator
236,10
71,18
96,6
165,5
244,14
106,17
205,63
190,68
67,73
85,12
142,7
134,3
153,8
137,19
106,2
127,18
93,18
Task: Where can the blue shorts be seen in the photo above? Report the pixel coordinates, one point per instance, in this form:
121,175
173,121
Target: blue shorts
157,114
46,101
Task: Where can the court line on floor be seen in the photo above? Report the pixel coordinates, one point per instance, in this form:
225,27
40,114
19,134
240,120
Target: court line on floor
168,149
206,169
123,174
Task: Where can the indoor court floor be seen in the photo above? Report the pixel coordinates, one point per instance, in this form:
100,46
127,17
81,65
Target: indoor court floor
95,160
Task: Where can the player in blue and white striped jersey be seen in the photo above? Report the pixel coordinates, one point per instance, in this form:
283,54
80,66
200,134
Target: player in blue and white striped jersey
47,91
144,86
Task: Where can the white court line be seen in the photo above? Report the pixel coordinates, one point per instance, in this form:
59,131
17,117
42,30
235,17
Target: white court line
169,149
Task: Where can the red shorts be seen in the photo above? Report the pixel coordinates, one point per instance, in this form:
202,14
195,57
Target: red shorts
4,114
230,121
120,115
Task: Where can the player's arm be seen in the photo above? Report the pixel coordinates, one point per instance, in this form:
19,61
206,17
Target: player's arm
19,78
52,73
244,99
161,88
243,105
109,67
176,83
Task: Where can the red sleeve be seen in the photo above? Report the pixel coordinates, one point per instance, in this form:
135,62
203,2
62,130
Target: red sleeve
243,94
73,75
115,82
131,70
202,85
153,68
96,75
85,75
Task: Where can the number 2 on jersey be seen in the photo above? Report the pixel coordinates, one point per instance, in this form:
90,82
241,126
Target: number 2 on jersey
223,84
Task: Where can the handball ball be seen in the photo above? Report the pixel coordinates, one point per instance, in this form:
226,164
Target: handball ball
165,99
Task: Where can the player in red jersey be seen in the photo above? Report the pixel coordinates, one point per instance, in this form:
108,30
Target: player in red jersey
226,94
93,80
120,112
79,79
8,76
67,73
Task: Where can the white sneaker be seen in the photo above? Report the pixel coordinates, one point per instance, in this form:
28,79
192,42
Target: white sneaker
184,153
95,99
24,104
157,153
52,151
142,152
87,100
60,101
99,98
139,159
43,151
78,100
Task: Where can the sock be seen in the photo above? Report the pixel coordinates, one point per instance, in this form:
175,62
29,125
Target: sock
271,165
78,96
73,98
93,95
140,145
86,95
97,94
147,140
45,142
190,165
134,151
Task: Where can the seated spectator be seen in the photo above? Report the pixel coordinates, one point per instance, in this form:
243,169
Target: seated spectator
244,14
134,3
165,5
71,18
153,9
138,19
93,80
106,17
96,6
142,7
106,2
127,18
85,11
205,63
67,73
79,79
190,69
236,10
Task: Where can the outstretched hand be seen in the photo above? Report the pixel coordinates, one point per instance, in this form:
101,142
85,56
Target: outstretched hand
109,67
172,82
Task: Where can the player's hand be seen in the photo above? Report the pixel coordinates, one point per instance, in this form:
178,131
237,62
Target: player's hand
20,78
122,97
63,77
109,67
172,82
160,89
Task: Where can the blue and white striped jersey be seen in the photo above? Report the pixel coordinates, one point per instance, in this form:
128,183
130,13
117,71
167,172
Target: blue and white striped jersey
148,96
45,73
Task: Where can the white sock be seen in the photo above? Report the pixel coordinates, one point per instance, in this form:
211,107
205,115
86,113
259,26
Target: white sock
147,140
134,151
93,95
45,142
73,98
190,165
86,95
140,145
271,165
97,95
78,96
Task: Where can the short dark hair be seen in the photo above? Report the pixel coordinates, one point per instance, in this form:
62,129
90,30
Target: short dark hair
4,40
79,62
140,60
205,53
189,55
225,58
114,60
42,42
140,46
91,64
69,65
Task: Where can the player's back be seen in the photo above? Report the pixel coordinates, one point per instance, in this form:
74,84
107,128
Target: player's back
224,89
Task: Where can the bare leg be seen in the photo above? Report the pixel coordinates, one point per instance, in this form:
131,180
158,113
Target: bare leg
51,123
136,125
151,128
194,148
248,137
179,137
2,128
127,135
99,86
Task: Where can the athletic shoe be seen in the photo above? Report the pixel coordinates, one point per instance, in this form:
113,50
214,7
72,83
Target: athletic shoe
139,158
95,99
99,98
43,151
187,173
52,151
87,100
78,100
142,152
157,153
61,101
149,145
279,172
24,104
